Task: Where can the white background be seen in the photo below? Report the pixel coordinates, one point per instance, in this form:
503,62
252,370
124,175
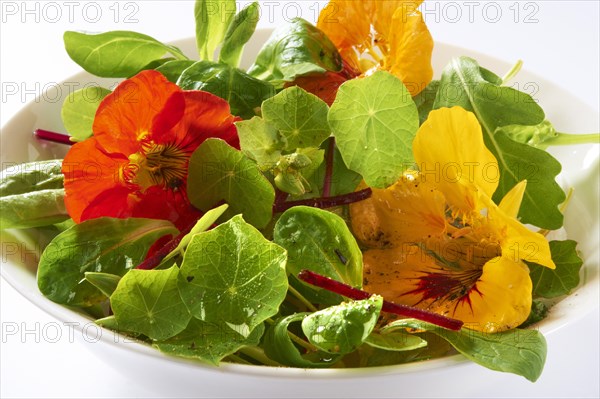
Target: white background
558,40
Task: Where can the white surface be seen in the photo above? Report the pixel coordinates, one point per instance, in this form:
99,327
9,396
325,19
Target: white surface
38,355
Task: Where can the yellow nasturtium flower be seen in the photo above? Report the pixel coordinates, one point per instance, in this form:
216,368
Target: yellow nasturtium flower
396,28
437,239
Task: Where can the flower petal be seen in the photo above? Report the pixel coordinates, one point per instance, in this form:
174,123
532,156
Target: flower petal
383,12
516,240
346,23
411,48
409,211
450,152
496,298
206,115
88,173
501,301
124,118
511,203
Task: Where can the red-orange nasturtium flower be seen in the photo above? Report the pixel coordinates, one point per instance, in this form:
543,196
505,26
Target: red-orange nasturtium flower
136,162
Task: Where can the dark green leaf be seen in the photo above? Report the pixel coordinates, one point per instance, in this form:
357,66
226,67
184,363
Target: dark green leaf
548,283
212,20
343,180
173,69
279,347
240,30
105,245
539,311
320,241
105,282
517,351
148,302
374,121
425,99
219,173
244,93
233,276
464,84
343,328
208,342
79,110
539,168
295,49
301,118
116,54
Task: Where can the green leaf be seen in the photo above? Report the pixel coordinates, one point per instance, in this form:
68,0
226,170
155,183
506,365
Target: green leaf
295,49
240,30
301,117
205,222
173,69
34,209
23,178
343,328
218,173
99,245
207,342
244,93
279,346
374,121
79,110
395,341
261,141
105,282
320,241
534,136
32,195
425,99
116,54
539,168
148,302
233,276
521,352
539,311
212,20
464,84
548,283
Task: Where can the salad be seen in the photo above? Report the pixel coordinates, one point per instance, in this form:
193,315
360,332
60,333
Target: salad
332,206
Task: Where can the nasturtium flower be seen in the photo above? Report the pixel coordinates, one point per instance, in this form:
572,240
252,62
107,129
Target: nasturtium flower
136,162
396,28
437,241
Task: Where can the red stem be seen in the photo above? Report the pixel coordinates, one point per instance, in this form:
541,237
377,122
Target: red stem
153,261
390,307
53,136
328,168
324,203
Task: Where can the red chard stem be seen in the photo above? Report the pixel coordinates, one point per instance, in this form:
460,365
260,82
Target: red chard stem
389,307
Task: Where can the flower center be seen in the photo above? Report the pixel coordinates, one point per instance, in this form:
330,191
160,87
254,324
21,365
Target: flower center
459,265
163,165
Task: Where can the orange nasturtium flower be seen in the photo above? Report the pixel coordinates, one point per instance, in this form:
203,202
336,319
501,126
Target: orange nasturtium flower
136,162
439,242
395,27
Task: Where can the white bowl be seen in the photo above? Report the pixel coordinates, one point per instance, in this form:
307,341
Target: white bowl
174,377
